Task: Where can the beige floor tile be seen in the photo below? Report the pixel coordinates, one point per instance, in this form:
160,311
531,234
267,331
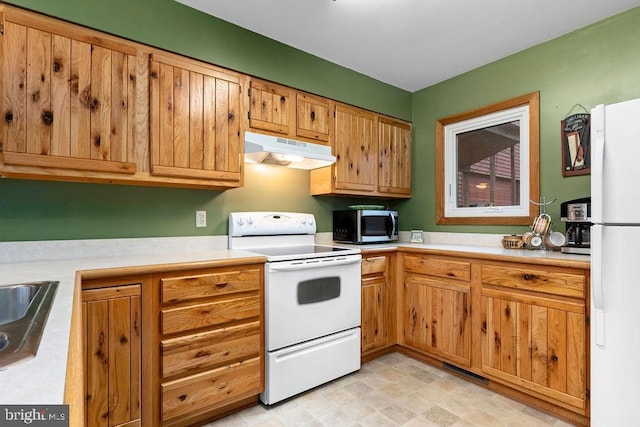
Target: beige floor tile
394,390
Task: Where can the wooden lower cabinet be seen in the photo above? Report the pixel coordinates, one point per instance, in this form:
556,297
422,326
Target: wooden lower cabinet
536,340
437,317
173,347
209,341
521,326
111,319
378,302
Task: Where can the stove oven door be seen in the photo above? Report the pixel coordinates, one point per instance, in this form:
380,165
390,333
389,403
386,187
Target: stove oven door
307,299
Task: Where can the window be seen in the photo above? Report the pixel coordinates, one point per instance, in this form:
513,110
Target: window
487,164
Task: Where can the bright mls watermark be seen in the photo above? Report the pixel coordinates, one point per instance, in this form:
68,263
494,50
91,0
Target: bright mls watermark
36,415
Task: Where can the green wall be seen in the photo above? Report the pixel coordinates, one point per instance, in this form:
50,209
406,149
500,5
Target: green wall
597,64
600,63
34,210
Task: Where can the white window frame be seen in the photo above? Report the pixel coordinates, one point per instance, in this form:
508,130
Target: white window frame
451,132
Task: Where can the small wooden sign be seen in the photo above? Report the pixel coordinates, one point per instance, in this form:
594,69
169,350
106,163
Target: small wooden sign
576,137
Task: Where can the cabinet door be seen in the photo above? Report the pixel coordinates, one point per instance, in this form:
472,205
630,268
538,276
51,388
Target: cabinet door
196,127
537,343
394,172
355,148
70,99
111,329
374,312
437,317
270,107
313,117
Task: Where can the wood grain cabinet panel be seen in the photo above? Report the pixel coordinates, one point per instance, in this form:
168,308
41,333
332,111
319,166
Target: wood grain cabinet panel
536,343
356,149
378,303
202,315
314,117
373,156
71,99
183,288
270,107
437,317
549,281
210,348
196,122
210,390
394,157
210,342
112,342
438,266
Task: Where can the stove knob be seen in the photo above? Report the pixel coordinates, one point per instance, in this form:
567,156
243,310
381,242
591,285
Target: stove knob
310,221
240,222
250,221
303,221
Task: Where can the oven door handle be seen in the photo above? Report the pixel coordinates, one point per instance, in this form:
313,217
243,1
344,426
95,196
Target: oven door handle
309,264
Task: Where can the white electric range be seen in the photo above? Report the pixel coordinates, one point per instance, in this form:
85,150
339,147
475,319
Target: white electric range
312,301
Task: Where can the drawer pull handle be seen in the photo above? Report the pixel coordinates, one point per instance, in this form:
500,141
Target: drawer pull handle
182,397
221,285
528,276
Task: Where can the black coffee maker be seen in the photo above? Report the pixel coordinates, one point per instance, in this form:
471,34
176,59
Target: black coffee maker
576,214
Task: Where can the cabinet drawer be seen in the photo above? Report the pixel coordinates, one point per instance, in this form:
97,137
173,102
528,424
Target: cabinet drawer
440,267
211,348
211,389
533,279
209,314
371,265
175,289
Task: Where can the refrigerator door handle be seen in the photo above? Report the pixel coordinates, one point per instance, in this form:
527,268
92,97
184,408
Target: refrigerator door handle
597,164
597,285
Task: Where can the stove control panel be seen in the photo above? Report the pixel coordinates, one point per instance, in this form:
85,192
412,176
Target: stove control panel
270,223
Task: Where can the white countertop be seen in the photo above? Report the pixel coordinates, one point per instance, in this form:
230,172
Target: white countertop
41,380
481,244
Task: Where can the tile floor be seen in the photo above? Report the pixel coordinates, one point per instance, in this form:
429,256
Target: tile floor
390,391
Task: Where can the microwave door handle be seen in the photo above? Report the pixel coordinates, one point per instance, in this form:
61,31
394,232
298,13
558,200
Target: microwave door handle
393,225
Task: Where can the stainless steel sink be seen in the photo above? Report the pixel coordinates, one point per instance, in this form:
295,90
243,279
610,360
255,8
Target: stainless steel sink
24,309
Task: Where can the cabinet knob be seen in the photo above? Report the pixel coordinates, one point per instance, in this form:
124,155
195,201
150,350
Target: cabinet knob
313,115
8,117
283,99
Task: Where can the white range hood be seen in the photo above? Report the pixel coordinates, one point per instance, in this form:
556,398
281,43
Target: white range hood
273,150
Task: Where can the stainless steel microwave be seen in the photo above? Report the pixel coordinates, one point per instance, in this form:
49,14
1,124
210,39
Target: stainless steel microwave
365,226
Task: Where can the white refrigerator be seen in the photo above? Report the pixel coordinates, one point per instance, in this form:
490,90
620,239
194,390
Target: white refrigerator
615,264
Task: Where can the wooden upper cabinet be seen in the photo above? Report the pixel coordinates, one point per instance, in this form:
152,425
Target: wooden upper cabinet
373,156
394,173
356,149
282,111
71,98
313,117
270,107
196,124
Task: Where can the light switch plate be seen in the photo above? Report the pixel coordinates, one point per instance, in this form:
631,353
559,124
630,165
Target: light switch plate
416,236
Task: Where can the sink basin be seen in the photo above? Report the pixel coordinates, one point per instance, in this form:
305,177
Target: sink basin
24,309
15,300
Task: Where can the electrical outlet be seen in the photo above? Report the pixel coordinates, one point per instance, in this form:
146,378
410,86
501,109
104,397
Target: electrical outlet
201,219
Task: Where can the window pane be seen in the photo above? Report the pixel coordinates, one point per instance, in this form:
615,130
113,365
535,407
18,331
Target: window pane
489,166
